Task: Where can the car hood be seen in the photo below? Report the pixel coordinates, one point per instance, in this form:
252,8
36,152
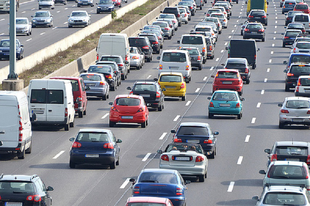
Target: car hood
78,18
41,18
106,5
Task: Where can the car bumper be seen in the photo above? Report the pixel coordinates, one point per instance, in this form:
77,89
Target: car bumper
235,88
254,36
22,32
180,93
38,122
305,120
224,111
135,63
96,92
77,24
127,118
41,23
176,200
103,158
105,9
187,171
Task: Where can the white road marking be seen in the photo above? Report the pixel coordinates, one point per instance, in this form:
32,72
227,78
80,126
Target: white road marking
148,76
32,9
239,160
271,52
247,138
67,8
2,19
176,118
268,70
23,12
66,22
211,68
275,32
276,22
231,187
222,51
258,105
205,79
276,13
29,39
42,33
253,120
217,59
163,136
270,60
276,17
275,10
237,20
240,12
125,183
58,11
226,43
188,103
274,37
272,45
54,28
262,92
235,25
232,31
104,116
146,156
229,37
60,153
275,27
2,34
265,80
197,90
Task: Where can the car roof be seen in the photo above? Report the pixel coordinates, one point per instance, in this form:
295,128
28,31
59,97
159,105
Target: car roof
297,98
91,73
171,73
225,70
146,82
17,177
94,130
174,50
147,199
293,163
292,143
159,170
243,60
199,124
128,96
286,188
69,78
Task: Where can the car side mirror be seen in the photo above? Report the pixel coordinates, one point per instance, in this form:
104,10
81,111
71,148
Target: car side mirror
216,133
111,103
280,105
164,89
173,131
212,76
187,182
263,172
242,99
21,45
156,17
209,98
223,64
161,11
258,49
132,180
96,3
226,48
285,27
119,141
72,139
267,151
159,151
255,198
126,62
128,88
1,143
284,62
49,188
178,41
158,57
156,79
32,16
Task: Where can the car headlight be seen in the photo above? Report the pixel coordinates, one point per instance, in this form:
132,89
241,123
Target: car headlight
48,20
70,20
33,20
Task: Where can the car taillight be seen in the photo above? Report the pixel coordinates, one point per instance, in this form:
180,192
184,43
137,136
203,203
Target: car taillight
185,15
145,47
208,14
66,112
136,190
178,191
264,17
135,57
308,159
131,92
108,146
289,74
294,50
297,88
283,6
304,30
157,95
210,47
199,159
191,7
255,56
203,49
20,129
238,105
246,70
284,111
97,57
261,30
274,157
308,112
141,109
155,42
167,29
35,198
182,85
126,58
160,66
76,145
187,67
177,140
114,109
246,29
286,37
164,157
120,65
199,58
108,76
251,16
102,83
298,83
178,15
268,175
207,141
78,99
211,104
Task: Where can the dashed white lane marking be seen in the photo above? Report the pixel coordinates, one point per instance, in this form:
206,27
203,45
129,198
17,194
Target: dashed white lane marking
211,68
276,22
58,11
253,120
146,156
217,59
235,25
232,31
60,153
23,12
2,19
42,33
275,27
271,52
237,20
2,34
148,76
265,80
176,118
229,37
247,138
276,13
268,70
262,92
272,45
231,187
270,60
67,8
104,116
274,38
240,12
222,51
258,105
205,79
276,17
29,39
197,90
125,183
226,43
163,136
66,22
239,160
275,32
32,9
275,10
188,103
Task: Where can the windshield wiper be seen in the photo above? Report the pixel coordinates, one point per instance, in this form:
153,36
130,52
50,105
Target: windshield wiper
155,181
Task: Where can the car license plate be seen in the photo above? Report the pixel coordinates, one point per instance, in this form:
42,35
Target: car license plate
170,87
127,117
92,155
13,204
307,91
145,95
257,17
297,120
182,158
226,82
224,105
90,85
173,67
292,159
193,141
253,32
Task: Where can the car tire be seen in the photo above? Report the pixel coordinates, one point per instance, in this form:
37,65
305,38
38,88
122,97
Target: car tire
212,57
72,123
287,88
80,114
210,115
123,77
111,124
143,125
104,97
254,66
239,116
113,165
263,39
283,45
200,67
28,151
66,127
186,22
282,12
71,164
78,5
200,7
281,125
183,98
201,178
84,112
204,60
247,81
21,155
212,156
160,108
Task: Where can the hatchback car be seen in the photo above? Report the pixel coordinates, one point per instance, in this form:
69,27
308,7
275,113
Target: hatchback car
123,66
96,85
184,15
159,35
216,21
172,84
222,19
165,28
303,7
23,26
153,40
137,58
134,201
129,109
289,16
24,190
290,36
151,92
292,74
225,102
49,4
301,46
189,5
289,151
197,133
145,45
42,18
95,146
258,15
78,18
85,3
115,70
288,5
108,73
160,183
196,57
303,86
172,17
187,158
227,79
210,47
296,25
254,31
5,49
242,65
105,6
294,111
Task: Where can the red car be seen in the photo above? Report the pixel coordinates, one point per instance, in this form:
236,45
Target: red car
302,7
117,3
129,109
148,201
228,79
79,94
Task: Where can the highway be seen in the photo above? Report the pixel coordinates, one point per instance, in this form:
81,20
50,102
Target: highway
233,176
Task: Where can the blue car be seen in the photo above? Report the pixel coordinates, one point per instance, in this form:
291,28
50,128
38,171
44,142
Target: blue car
225,102
95,146
5,49
164,183
105,6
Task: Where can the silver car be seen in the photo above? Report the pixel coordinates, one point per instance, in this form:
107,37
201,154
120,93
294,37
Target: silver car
23,26
294,110
283,195
137,58
49,4
78,18
42,18
301,46
165,28
96,85
187,158
163,17
184,15
216,21
222,19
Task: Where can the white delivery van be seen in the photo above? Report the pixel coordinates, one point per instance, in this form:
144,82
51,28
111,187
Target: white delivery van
51,101
15,125
176,61
114,44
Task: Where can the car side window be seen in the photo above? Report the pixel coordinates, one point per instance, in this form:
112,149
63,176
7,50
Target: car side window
82,85
40,185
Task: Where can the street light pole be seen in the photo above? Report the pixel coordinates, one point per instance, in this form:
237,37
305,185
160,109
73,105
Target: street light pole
12,74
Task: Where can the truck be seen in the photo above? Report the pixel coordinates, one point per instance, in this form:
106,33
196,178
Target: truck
5,5
256,4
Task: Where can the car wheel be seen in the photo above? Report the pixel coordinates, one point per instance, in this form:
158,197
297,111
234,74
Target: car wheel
170,37
160,108
28,151
123,77
78,5
200,67
111,124
143,125
287,88
239,116
104,97
282,12
263,39
72,123
21,155
84,112
183,98
211,156
66,127
112,165
247,81
117,162
210,115
80,114
283,45
71,164
201,178
186,22
254,66
98,12
281,125
204,60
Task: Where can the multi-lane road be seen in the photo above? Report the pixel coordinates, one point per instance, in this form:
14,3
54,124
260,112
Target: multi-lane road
233,176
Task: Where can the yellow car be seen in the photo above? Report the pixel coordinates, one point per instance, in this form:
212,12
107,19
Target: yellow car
172,84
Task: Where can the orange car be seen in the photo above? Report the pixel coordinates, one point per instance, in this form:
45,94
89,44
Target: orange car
129,109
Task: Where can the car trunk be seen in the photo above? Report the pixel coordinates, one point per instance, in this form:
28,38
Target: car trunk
156,189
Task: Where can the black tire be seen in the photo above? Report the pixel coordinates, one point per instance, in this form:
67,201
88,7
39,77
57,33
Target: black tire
247,81
80,114
117,162
200,67
239,116
210,115
72,123
287,88
204,60
160,108
212,57
281,125
98,12
111,124
169,37
113,165
104,97
263,39
183,98
283,45
71,164
201,178
84,112
66,127
254,66
21,155
28,151
143,125
211,156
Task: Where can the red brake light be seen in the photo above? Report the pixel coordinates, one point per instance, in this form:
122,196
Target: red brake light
145,47
66,112
167,29
182,85
207,141
165,157
308,159
76,145
131,92
271,169
160,66
102,83
187,67
157,95
308,112
35,198
114,109
178,191
155,42
246,29
286,37
251,16
199,58
211,104
284,111
135,57
290,74
126,58
203,50
273,157
20,129
120,65
97,57
136,190
178,15
108,76
108,146
261,30
246,70
238,105
264,17
199,159
177,140
141,109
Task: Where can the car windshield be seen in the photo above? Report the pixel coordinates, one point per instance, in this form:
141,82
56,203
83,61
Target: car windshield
170,78
161,24
108,64
303,45
145,204
78,14
203,29
128,101
287,172
297,104
193,52
5,43
112,59
41,14
292,13
224,96
291,150
302,18
192,40
300,69
92,137
174,57
305,81
193,130
91,77
220,16
21,21
144,87
227,74
16,187
105,2
155,177
184,148
284,198
100,69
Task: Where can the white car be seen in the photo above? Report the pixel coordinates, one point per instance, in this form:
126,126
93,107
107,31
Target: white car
23,26
163,17
222,19
50,4
184,15
207,28
187,158
301,46
303,86
78,18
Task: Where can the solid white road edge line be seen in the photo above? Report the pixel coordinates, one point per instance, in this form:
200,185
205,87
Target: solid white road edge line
60,153
231,187
163,136
146,156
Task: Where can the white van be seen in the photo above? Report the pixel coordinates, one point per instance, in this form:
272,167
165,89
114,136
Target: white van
15,125
51,101
303,19
176,61
114,44
195,40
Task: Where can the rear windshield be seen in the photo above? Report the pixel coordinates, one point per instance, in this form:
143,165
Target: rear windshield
100,69
242,47
92,137
292,13
301,58
257,13
15,187
297,104
302,45
174,57
192,51
227,74
144,87
225,96
192,40
289,3
47,96
161,24
150,37
278,198
203,29
292,33
302,18
305,81
137,42
112,59
170,78
192,130
291,150
295,26
156,177
91,77
301,7
170,10
128,101
287,172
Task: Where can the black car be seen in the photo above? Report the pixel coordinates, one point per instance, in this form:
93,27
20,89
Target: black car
95,146
258,15
296,25
123,66
289,16
108,72
293,72
175,11
151,93
289,150
254,31
27,190
154,41
144,44
290,36
198,133
240,64
117,72
196,57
